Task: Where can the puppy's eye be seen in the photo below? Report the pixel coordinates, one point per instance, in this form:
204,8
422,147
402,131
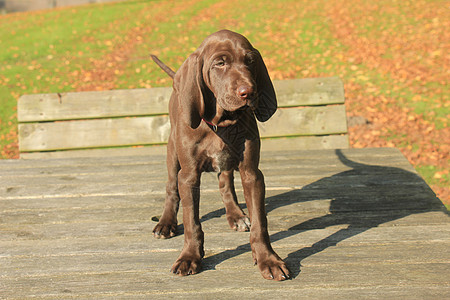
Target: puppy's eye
220,64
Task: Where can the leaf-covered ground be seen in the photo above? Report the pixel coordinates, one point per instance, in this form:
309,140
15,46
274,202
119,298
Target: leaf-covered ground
393,56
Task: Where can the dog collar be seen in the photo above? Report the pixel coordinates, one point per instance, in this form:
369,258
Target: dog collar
213,127
223,124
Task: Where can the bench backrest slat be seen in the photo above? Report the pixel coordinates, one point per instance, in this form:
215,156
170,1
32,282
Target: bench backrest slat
93,105
139,117
154,101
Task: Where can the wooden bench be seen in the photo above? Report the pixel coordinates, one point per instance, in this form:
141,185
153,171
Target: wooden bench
311,115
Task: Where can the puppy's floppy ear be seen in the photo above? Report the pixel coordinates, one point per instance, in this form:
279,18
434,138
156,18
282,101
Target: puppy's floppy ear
188,83
267,100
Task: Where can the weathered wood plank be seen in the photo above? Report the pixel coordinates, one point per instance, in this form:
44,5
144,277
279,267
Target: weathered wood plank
279,203
137,237
144,102
159,283
151,284
141,184
309,91
229,292
369,156
284,161
93,105
322,120
267,144
363,186
93,133
362,254
102,152
295,163
77,222
78,217
298,173
356,264
155,130
306,142
330,157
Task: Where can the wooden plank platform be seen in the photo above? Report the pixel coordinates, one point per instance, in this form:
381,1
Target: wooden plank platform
351,224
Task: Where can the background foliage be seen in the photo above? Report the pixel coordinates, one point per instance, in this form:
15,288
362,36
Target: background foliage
393,57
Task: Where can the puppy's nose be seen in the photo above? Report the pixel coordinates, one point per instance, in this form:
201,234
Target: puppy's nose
245,92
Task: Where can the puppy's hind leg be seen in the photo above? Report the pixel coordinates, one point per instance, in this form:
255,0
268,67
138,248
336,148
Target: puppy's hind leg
167,225
235,216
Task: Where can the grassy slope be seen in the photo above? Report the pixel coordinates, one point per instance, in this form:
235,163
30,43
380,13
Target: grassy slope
373,46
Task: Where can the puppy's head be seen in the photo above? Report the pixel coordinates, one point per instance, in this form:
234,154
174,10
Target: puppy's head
229,70
230,76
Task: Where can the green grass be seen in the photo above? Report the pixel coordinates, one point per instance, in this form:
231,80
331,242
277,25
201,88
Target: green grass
41,51
428,172
176,49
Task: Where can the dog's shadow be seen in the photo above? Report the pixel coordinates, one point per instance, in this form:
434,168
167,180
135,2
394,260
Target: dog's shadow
363,198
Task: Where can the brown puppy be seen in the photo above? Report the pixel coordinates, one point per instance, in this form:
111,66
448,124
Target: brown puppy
217,93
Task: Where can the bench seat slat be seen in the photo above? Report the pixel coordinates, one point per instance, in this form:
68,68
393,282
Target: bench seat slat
306,143
268,144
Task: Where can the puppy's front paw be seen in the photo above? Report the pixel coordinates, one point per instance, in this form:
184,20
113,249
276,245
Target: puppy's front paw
186,265
273,267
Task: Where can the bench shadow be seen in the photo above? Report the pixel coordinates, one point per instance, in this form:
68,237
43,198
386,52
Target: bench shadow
361,198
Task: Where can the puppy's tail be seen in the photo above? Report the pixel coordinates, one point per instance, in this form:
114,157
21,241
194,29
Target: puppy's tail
165,68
